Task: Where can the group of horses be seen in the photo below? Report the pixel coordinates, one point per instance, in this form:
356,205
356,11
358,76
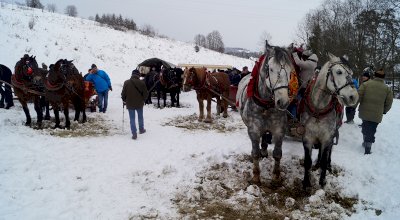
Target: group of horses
168,80
262,100
59,86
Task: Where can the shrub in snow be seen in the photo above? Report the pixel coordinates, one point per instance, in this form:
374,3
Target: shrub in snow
31,23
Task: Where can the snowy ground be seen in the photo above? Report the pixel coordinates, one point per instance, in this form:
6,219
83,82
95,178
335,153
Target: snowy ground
179,168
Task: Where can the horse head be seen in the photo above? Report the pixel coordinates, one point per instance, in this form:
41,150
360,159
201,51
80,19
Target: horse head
275,74
27,68
59,71
339,79
190,78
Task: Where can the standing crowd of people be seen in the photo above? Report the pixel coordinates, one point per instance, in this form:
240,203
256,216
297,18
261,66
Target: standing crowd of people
375,98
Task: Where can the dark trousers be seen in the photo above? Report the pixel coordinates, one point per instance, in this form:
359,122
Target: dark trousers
368,129
5,91
350,112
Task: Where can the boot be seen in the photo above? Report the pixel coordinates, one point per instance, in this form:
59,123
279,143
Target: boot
367,146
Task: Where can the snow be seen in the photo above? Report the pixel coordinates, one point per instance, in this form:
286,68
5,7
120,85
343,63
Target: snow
46,174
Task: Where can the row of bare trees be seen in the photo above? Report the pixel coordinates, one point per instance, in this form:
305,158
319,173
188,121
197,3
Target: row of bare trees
70,10
212,41
368,31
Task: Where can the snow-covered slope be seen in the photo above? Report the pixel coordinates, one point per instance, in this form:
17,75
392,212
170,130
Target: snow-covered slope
56,36
179,167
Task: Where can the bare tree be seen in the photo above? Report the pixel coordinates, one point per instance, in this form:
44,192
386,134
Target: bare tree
34,4
265,36
214,41
51,8
148,30
200,40
71,10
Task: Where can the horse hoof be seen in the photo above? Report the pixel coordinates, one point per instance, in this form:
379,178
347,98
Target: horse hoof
28,124
208,120
255,181
264,153
200,119
276,182
306,184
47,117
316,167
322,183
225,116
58,126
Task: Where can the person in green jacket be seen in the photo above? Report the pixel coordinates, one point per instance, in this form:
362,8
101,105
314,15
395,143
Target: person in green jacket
133,95
375,99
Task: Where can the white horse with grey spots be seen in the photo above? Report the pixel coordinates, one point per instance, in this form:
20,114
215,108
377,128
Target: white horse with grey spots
320,118
265,110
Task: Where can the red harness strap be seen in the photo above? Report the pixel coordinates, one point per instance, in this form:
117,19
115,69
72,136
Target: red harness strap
252,87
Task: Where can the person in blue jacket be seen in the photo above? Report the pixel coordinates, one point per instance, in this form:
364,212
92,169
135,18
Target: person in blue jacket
102,84
351,110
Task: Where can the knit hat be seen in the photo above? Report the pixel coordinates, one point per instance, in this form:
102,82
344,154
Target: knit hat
93,66
366,74
380,74
135,72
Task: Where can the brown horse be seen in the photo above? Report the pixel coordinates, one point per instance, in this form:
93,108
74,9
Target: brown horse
65,84
207,86
28,85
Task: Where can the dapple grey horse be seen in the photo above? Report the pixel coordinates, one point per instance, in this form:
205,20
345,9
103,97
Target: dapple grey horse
332,86
265,111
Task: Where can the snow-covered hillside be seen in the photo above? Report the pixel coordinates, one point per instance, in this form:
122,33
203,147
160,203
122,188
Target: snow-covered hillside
56,36
178,169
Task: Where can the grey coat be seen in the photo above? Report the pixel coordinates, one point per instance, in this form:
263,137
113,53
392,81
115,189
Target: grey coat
134,93
307,68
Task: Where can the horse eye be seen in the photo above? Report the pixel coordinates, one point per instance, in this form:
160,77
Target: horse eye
339,72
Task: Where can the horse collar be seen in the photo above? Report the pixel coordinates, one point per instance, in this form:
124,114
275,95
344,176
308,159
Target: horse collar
318,114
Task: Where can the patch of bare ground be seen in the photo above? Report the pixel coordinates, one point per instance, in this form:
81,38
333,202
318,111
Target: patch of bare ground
219,124
222,191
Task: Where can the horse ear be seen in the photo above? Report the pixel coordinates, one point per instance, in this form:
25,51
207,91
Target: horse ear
345,57
268,48
331,57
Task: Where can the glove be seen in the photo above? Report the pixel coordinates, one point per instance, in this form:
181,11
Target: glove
110,88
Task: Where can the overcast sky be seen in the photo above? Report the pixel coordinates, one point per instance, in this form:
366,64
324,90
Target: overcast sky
240,22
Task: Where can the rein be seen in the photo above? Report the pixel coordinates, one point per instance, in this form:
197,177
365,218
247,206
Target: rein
20,85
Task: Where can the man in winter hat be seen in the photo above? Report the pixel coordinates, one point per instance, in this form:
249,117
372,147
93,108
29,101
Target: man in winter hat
134,93
375,99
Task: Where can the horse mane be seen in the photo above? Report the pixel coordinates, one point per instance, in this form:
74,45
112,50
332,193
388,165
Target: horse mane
281,55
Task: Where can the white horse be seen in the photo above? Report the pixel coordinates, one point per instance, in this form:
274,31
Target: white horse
323,97
265,110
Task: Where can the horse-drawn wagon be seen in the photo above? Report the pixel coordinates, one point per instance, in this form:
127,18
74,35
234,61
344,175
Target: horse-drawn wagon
161,77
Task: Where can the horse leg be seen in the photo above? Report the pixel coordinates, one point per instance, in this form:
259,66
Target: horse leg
47,110
208,118
219,107
158,98
177,100
256,155
38,109
173,99
326,150
201,108
83,108
77,107
264,145
307,163
225,104
56,111
26,111
66,114
165,98
277,154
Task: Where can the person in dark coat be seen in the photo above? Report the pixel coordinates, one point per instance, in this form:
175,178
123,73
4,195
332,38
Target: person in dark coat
134,93
6,92
375,100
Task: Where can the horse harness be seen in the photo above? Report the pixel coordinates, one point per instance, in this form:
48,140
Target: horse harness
333,104
269,102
